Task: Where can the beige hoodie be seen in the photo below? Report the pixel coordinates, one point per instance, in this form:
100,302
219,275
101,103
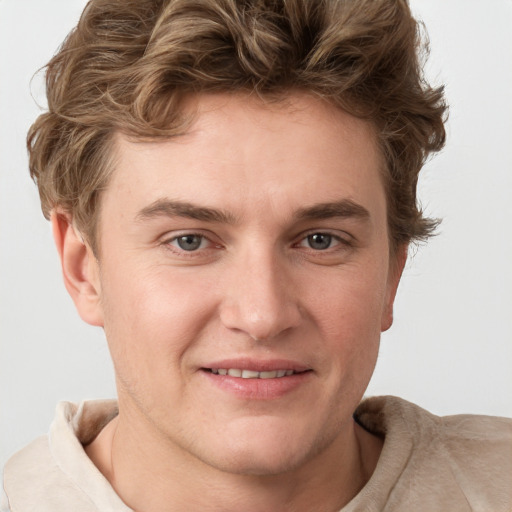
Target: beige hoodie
428,463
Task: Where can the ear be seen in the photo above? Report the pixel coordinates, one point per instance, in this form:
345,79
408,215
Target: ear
396,267
80,268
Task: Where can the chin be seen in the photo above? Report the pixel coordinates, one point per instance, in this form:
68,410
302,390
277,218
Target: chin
265,451
254,463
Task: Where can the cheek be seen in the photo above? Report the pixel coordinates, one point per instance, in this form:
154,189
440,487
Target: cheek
152,320
348,314
351,303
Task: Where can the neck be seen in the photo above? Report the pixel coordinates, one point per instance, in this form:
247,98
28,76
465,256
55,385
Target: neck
156,476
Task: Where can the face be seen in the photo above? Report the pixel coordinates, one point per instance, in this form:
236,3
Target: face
244,280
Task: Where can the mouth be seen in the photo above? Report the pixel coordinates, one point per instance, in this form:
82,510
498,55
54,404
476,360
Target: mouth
252,379
253,374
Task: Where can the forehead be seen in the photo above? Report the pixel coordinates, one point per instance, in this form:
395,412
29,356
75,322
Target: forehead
246,153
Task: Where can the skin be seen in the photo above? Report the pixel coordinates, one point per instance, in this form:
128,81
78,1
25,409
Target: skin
259,286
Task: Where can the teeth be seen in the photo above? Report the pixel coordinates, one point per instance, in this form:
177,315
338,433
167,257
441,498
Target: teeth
251,374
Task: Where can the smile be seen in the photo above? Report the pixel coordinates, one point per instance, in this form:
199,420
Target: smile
257,380
252,374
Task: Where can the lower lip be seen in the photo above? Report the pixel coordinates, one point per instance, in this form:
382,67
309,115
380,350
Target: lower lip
258,389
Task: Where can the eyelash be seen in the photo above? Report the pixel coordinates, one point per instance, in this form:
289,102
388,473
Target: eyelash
168,244
332,238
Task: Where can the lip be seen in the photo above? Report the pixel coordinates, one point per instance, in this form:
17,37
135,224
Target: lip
258,365
257,389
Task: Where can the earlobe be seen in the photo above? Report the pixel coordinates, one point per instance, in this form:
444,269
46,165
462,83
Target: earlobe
395,273
79,268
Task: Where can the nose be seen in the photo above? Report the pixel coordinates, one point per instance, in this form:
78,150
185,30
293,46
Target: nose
260,298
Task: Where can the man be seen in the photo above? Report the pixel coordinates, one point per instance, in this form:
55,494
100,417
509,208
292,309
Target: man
232,192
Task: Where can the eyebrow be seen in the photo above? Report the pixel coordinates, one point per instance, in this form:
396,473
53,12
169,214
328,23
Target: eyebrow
169,208
345,208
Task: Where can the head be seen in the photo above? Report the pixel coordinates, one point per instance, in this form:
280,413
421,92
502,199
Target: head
244,178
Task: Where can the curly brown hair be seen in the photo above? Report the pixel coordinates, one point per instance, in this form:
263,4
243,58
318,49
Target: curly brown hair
128,65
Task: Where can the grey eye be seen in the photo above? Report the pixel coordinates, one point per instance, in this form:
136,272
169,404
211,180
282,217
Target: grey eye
319,241
189,242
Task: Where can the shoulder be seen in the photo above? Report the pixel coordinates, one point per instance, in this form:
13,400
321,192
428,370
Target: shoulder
32,474
388,413
478,450
4,503
462,462
28,463
53,473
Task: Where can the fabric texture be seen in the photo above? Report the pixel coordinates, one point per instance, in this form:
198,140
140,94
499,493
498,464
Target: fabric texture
428,463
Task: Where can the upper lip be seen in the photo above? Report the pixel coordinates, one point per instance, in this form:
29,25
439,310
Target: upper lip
258,365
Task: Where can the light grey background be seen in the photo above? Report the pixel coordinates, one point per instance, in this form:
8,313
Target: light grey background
450,349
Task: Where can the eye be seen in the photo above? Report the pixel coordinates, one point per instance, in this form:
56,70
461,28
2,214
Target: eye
319,241
189,242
